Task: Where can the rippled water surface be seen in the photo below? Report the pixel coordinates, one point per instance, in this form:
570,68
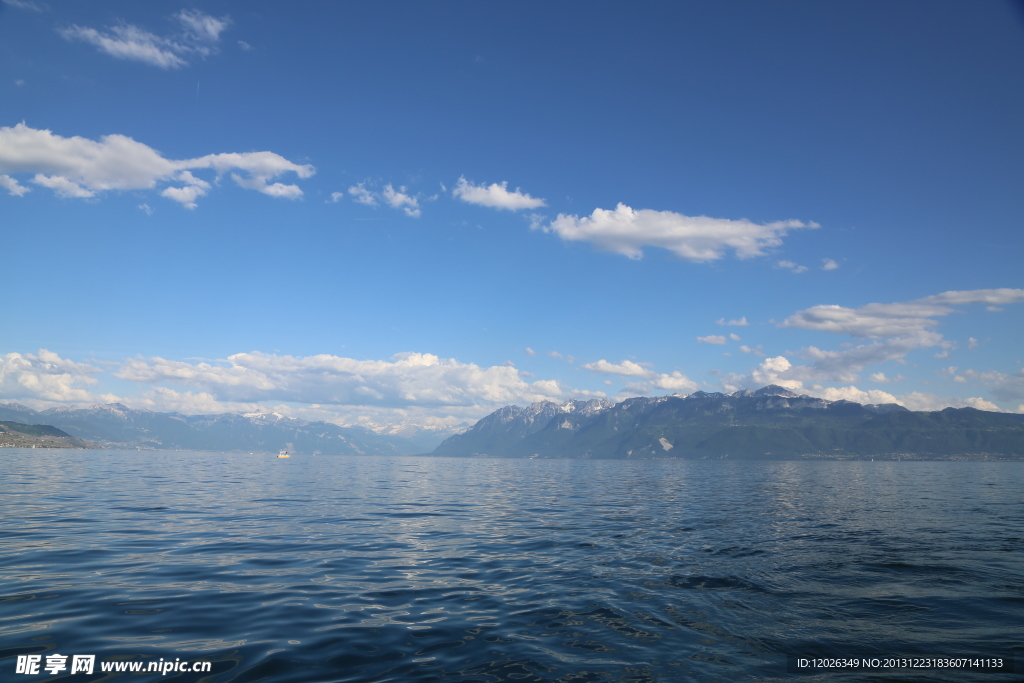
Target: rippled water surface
419,569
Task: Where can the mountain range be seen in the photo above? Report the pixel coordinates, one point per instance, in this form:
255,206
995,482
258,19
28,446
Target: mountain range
117,426
770,423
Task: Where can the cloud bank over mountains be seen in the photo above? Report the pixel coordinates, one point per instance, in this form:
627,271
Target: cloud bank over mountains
900,329
407,379
426,388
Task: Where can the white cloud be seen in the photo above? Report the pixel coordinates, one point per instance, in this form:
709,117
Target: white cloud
994,297
734,336
882,379
888,320
62,186
360,194
972,343
790,265
198,37
842,366
757,350
627,231
828,264
12,186
202,27
408,379
1005,387
25,4
780,371
244,45
398,199
917,400
913,401
146,209
46,376
530,352
774,371
82,168
831,366
852,393
626,368
187,194
742,322
675,382
495,195
165,400
712,339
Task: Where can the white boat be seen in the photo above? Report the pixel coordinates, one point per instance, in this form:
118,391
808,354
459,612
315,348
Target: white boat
283,454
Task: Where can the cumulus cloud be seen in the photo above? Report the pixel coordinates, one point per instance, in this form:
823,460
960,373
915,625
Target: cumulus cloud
12,186
676,382
914,400
495,195
756,350
530,352
852,393
779,370
889,320
395,198
791,266
360,195
626,368
78,167
843,366
197,36
712,339
627,231
1004,386
734,336
408,379
881,378
742,322
828,264
398,199
917,400
165,400
47,377
830,366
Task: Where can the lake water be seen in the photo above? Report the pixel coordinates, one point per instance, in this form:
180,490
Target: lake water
418,569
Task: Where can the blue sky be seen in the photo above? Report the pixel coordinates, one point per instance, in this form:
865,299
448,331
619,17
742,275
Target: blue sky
413,213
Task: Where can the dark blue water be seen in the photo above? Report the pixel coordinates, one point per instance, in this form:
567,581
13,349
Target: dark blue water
418,569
